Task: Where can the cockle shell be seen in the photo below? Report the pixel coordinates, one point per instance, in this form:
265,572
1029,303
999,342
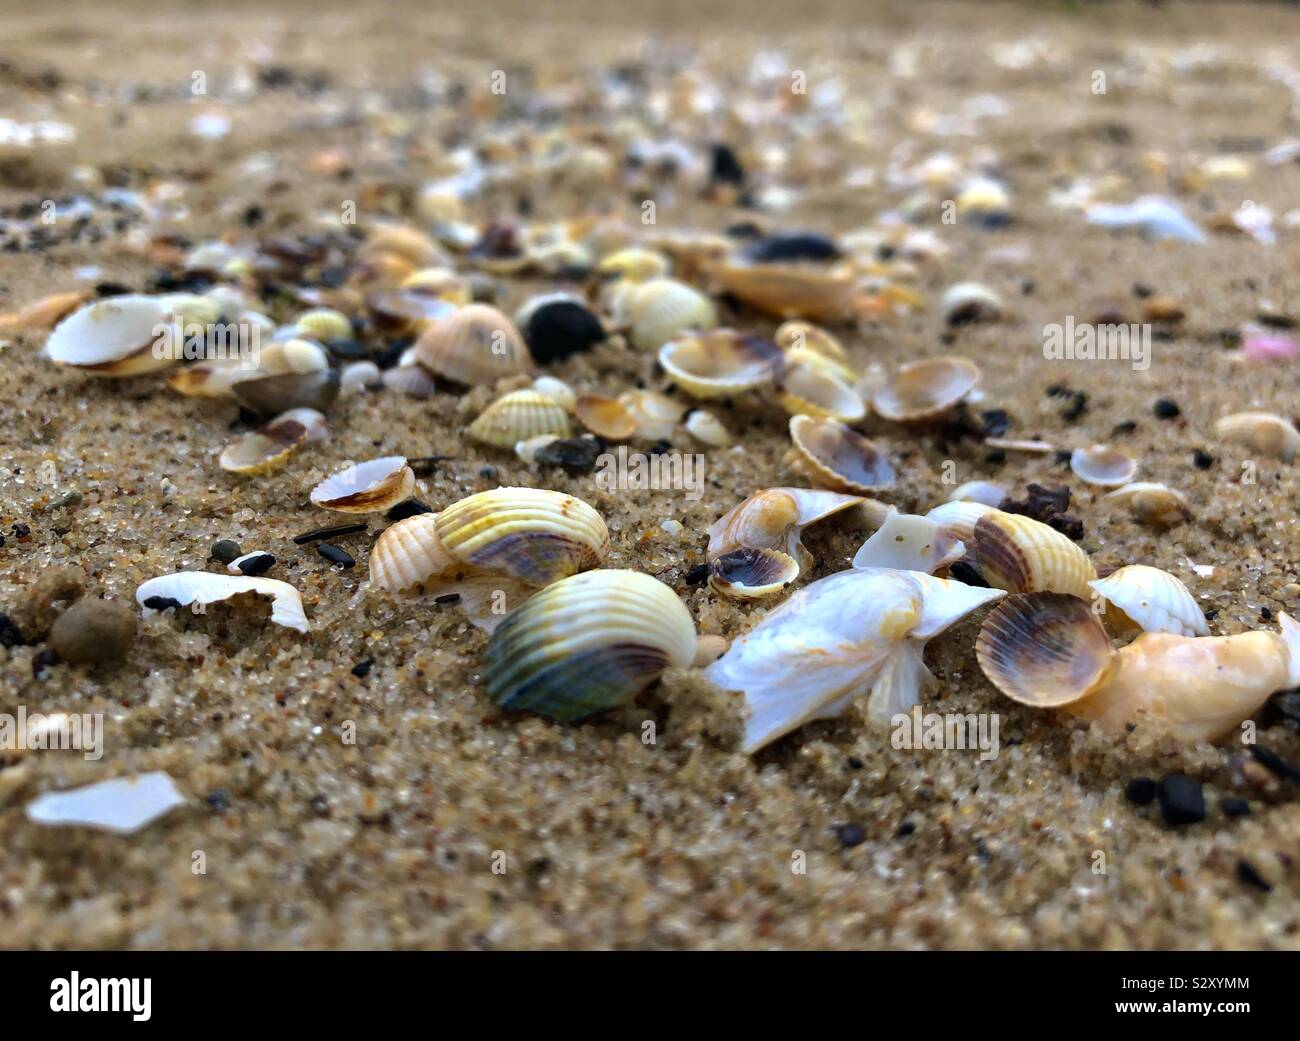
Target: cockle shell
959,517
811,390
751,574
1022,555
921,390
118,337
406,312
1154,601
370,487
1261,431
206,587
606,417
804,336
588,644
907,542
844,635
719,363
323,324
557,390
657,310
835,457
269,447
774,519
271,395
1103,465
816,292
474,346
519,416
1153,503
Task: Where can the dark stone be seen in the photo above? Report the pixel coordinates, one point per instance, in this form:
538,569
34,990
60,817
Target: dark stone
726,168
258,565
362,668
1181,800
1235,807
1166,409
1202,460
409,508
577,455
1247,873
792,246
561,328
850,835
1140,790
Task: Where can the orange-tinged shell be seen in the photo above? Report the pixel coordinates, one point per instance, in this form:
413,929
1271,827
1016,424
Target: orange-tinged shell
408,554
1103,465
791,290
607,417
267,448
1153,503
474,346
370,487
836,457
656,415
1022,555
773,519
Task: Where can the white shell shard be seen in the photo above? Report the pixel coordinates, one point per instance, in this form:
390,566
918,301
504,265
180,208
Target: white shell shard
1152,215
1103,465
1154,600
118,337
908,542
369,487
206,587
985,493
122,805
810,657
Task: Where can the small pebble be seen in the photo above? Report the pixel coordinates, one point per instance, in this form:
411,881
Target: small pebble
362,668
218,800
1166,409
850,835
1181,800
409,508
577,455
1140,790
1275,763
905,829
1251,877
1202,460
335,555
94,632
254,564
10,634
1235,807
161,603
225,550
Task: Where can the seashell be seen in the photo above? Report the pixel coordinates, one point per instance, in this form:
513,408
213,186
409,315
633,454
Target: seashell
1261,431
48,310
271,395
924,389
119,336
588,644
411,380
657,310
804,336
1103,465
865,630
440,283
751,574
804,357
774,519
403,312
309,418
959,516
706,427
267,448
208,379
415,247
557,390
206,587
807,390
1022,555
1044,649
812,291
985,493
635,264
370,487
408,554
293,355
120,805
518,416
359,376
473,346
657,415
719,364
835,457
971,302
605,417
1145,598
1033,446
323,324
907,542
709,649
1153,503
527,450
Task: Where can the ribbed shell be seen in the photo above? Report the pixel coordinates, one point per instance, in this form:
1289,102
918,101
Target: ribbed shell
790,290
408,554
1022,555
518,416
659,309
959,516
475,345
1153,600
587,644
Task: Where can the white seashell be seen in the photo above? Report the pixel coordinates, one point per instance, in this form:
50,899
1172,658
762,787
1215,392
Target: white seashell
369,487
971,302
1152,600
122,805
206,587
1153,503
269,446
311,419
119,336
706,427
907,542
557,390
1103,465
751,574
359,376
527,450
656,415
985,493
1031,446
1261,431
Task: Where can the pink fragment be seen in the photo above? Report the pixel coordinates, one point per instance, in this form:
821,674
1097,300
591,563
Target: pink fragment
1270,347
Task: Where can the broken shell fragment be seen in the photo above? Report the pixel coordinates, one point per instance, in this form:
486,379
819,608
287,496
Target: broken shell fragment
907,542
1103,465
810,390
475,345
268,447
1261,431
205,587
557,390
706,427
119,336
370,487
985,493
835,457
971,302
720,363
774,519
1022,555
1153,503
588,644
657,310
122,805
657,415
751,574
519,416
922,390
1145,598
605,417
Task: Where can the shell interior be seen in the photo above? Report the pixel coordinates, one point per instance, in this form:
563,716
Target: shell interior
839,457
750,574
925,388
206,587
368,487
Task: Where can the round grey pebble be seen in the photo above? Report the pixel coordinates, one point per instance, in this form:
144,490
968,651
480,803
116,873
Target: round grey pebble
226,550
94,632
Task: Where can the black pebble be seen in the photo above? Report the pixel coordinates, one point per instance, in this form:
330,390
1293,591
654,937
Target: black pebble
1140,790
577,455
161,603
855,763
335,555
1125,427
10,634
1235,807
1275,763
409,508
850,835
348,349
488,473
258,565
1166,409
792,246
905,829
42,661
726,167
447,598
963,571
1181,800
561,328
697,574
1247,873
362,668
328,533
1202,460
996,422
225,550
218,800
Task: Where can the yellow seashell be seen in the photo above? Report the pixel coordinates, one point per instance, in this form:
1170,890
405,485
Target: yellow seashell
1153,503
606,417
1022,555
519,416
809,291
475,345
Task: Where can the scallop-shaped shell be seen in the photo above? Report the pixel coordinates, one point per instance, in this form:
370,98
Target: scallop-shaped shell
809,390
836,457
323,324
271,395
1153,503
751,574
708,428
985,493
1103,465
475,345
657,310
606,417
657,415
773,518
408,554
720,363
1151,600
907,542
557,390
588,644
206,587
959,517
267,448
1261,431
1044,649
411,380
369,487
815,292
519,416
119,336
924,389
1022,555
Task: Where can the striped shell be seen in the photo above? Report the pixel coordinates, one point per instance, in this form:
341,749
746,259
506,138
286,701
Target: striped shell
719,363
773,519
959,516
1022,555
924,389
751,574
474,346
833,456
1261,431
657,310
588,644
1152,600
370,487
519,416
